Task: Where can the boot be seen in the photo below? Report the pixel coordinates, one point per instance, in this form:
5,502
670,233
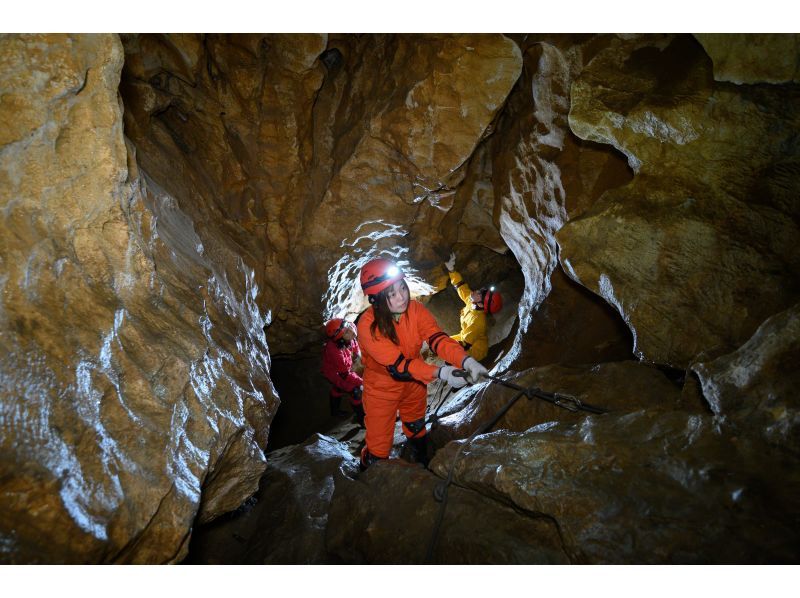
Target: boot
419,449
367,459
334,404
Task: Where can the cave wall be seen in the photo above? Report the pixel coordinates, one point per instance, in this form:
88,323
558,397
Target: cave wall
177,209
135,374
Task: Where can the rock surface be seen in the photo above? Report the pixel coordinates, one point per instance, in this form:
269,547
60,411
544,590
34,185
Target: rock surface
753,57
701,246
621,387
644,487
300,479
142,280
319,164
135,394
755,387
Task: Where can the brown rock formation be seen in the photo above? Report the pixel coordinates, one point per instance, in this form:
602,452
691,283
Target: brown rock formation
645,487
142,280
316,160
702,246
301,478
361,530
753,57
755,387
133,373
621,387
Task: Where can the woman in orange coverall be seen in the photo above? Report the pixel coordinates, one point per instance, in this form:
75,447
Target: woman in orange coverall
391,334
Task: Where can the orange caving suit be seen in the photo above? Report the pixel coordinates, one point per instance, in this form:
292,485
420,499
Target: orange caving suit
473,321
396,377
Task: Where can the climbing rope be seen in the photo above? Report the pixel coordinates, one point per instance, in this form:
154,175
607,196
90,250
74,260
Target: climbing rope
564,401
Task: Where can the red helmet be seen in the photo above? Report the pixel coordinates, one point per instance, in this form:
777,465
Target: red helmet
379,274
334,329
492,301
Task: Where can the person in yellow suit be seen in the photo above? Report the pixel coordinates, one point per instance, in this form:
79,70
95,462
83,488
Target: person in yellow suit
477,304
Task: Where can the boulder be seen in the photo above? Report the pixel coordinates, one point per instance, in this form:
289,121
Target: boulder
301,479
389,516
647,487
755,387
619,387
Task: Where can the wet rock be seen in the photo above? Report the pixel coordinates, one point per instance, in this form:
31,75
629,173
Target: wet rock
573,326
310,161
753,57
300,480
620,387
755,387
135,393
701,246
642,487
389,514
541,175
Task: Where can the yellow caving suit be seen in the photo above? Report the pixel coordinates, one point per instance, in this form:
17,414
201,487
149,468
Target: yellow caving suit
473,321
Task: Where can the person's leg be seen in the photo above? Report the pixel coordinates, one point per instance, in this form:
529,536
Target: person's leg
380,412
356,402
334,400
412,414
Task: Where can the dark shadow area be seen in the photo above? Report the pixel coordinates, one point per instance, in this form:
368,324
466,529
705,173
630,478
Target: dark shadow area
304,407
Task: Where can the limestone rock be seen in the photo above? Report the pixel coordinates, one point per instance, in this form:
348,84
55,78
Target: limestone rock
756,386
573,326
320,163
475,529
701,246
621,387
753,57
541,175
135,393
642,487
287,522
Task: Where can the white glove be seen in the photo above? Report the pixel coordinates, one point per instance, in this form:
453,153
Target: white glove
475,370
448,374
451,263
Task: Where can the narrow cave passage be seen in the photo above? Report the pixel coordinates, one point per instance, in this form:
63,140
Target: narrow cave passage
185,211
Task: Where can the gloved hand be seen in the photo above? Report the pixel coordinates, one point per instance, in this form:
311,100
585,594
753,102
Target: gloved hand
475,370
447,373
451,263
357,391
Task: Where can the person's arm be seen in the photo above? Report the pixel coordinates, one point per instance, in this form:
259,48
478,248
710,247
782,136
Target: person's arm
441,344
461,287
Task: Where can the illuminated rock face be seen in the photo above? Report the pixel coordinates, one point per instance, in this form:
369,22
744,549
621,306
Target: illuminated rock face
316,162
753,57
134,373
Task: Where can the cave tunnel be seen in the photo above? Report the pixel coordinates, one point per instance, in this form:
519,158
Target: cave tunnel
185,212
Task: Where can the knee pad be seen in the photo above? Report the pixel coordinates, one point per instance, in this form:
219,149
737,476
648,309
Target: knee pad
416,426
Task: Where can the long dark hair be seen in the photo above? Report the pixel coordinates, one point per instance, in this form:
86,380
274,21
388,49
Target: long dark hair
384,321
